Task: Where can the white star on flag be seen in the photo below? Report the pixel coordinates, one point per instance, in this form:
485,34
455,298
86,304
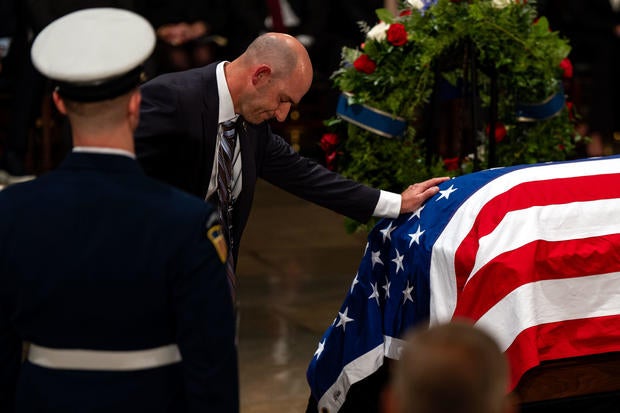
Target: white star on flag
375,293
417,213
407,293
386,287
319,350
376,258
415,237
344,319
398,261
446,192
355,281
387,232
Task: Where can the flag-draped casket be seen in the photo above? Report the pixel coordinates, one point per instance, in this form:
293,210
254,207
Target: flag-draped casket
529,253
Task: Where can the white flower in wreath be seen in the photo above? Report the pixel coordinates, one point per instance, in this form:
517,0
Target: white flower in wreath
416,4
378,32
420,5
500,4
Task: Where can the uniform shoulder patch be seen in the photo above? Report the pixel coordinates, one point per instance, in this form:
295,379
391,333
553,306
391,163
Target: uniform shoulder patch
216,236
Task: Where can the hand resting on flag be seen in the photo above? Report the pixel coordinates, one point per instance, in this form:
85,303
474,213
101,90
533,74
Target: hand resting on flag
415,195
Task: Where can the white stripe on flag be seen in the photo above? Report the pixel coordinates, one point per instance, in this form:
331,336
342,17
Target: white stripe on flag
356,370
565,222
551,301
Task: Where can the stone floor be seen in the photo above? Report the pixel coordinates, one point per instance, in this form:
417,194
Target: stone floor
295,266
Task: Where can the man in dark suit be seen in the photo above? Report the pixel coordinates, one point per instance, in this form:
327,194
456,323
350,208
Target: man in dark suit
117,281
178,137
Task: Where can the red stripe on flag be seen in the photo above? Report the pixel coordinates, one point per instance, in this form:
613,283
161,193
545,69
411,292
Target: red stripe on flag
541,260
566,339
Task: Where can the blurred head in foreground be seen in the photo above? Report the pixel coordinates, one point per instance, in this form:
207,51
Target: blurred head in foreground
449,368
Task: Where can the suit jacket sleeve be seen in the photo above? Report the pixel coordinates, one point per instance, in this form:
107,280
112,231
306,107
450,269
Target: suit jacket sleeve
206,324
285,168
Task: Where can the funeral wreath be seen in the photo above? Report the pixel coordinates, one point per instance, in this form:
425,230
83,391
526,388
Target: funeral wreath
499,55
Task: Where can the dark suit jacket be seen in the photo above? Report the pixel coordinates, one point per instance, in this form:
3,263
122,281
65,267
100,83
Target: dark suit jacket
175,142
95,255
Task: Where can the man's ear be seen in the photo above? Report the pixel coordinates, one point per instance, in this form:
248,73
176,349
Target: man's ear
261,75
133,108
134,101
60,104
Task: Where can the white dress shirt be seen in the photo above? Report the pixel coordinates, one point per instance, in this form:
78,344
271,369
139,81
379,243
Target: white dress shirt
105,151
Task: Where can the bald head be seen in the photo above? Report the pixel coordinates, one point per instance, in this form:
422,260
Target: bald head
451,368
285,53
271,76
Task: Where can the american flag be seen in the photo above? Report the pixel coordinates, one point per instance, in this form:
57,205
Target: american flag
530,253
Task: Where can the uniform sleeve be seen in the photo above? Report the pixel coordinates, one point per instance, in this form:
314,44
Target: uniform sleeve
285,168
10,360
10,343
206,324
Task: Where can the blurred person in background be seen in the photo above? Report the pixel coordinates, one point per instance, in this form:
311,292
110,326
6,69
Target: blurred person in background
190,33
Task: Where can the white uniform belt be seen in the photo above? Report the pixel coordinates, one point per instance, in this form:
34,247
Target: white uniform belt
77,359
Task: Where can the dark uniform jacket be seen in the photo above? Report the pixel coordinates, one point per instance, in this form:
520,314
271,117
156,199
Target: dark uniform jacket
176,138
95,255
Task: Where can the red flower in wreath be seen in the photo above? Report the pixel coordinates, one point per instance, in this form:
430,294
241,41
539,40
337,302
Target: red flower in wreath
499,133
567,67
451,164
329,143
405,13
397,34
364,64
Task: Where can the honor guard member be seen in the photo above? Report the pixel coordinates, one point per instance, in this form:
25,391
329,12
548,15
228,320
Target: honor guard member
115,280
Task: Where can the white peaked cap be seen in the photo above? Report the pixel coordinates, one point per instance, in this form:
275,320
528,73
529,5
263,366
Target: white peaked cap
94,54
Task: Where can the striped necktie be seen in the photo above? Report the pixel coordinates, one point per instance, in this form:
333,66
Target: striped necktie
225,158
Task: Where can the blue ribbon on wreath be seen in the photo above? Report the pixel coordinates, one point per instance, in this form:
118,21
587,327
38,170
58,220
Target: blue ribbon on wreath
369,118
543,110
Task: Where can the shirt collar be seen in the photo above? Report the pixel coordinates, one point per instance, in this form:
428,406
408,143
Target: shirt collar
227,109
106,151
